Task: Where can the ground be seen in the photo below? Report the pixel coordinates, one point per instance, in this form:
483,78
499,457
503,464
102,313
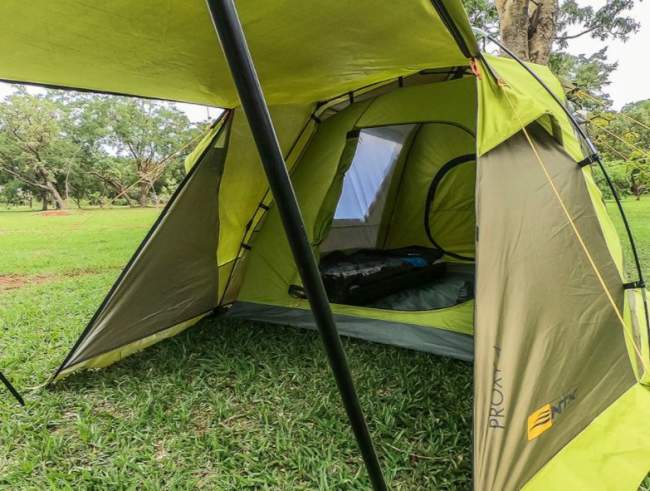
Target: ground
225,405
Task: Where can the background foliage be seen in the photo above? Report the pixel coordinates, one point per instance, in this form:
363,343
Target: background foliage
63,147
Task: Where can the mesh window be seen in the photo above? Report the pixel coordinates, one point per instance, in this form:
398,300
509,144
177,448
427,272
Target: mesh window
366,182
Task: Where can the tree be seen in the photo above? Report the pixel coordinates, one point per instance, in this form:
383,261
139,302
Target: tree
102,149
14,192
532,29
624,141
32,147
584,74
145,133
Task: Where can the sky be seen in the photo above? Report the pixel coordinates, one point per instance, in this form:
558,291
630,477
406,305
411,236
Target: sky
628,83
194,112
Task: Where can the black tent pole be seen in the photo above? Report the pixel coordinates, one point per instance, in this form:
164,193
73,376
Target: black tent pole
230,32
11,389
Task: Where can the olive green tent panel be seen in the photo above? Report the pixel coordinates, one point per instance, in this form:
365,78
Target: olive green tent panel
606,223
172,278
304,51
550,351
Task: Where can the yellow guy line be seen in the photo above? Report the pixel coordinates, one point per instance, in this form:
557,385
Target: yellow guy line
613,150
625,115
577,232
625,142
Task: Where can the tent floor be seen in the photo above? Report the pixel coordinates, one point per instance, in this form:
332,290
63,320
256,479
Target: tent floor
421,338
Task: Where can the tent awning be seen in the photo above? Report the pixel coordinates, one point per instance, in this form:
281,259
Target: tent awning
167,49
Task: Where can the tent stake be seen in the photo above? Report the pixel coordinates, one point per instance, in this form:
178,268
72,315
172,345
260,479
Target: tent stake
230,32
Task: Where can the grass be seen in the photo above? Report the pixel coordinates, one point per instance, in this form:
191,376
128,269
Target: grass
638,214
225,405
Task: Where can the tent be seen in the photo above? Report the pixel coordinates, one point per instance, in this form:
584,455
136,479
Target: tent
404,144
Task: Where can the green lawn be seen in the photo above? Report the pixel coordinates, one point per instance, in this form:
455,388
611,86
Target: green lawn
225,405
638,214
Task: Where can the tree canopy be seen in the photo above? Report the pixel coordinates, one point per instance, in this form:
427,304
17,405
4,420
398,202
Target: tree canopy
98,149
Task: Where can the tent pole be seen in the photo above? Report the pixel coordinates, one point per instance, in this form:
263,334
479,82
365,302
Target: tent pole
12,389
230,32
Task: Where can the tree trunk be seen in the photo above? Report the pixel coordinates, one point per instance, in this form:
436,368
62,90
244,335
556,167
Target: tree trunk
636,187
154,195
513,26
66,188
45,197
58,200
78,200
542,30
528,27
144,189
130,201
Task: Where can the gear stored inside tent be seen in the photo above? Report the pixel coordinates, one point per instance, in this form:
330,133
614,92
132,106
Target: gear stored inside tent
440,199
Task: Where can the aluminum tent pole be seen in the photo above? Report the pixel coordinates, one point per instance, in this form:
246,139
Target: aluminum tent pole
230,33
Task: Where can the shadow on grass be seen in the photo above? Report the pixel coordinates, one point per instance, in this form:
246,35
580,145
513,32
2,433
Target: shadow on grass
273,385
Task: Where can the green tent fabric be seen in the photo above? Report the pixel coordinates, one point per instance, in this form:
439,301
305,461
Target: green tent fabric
559,342
305,51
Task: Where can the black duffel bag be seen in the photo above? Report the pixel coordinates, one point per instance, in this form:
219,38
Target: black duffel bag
366,275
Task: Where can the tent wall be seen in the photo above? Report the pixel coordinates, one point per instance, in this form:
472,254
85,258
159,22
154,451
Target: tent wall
244,186
269,267
517,99
550,351
452,212
172,279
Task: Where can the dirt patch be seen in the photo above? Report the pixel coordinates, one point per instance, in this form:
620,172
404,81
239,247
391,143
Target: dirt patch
13,281
55,213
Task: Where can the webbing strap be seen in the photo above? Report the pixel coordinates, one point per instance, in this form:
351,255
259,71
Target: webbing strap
593,158
581,241
634,285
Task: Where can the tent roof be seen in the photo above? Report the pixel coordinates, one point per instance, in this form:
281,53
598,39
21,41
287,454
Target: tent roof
304,51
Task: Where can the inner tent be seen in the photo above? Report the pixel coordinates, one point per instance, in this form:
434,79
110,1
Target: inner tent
386,186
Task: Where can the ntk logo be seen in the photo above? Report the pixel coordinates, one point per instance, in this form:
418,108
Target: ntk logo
543,418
